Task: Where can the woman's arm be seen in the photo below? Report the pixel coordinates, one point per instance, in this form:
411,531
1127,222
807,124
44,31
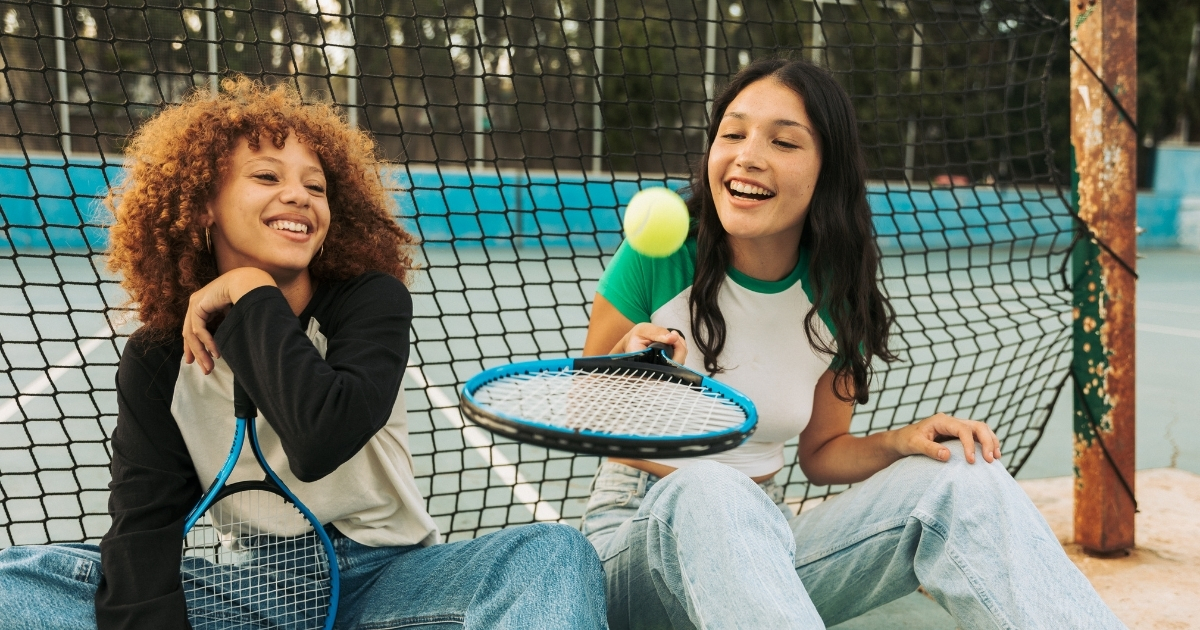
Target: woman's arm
610,332
830,455
323,409
152,490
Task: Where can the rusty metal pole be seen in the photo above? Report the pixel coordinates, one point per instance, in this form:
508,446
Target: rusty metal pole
1104,146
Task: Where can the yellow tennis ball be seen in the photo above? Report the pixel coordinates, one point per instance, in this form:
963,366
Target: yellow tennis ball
656,222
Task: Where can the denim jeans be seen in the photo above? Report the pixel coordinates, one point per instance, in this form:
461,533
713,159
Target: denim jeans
532,576
705,547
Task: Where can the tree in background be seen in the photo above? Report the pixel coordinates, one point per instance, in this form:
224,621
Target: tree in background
1165,30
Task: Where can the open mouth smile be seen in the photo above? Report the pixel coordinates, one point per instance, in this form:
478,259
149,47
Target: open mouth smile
743,190
288,226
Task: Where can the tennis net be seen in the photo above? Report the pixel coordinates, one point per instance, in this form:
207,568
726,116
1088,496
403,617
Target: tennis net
517,131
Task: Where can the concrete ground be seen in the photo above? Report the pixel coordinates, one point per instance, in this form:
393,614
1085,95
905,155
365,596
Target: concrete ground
1157,585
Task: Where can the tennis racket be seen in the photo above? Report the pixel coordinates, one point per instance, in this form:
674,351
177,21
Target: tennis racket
640,404
253,555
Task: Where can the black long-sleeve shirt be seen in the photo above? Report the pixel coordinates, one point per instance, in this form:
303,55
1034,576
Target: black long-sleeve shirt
327,385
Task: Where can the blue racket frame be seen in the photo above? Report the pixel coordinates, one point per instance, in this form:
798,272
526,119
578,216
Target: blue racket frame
654,359
246,412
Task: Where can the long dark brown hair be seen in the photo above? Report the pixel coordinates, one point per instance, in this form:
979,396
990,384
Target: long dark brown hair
838,235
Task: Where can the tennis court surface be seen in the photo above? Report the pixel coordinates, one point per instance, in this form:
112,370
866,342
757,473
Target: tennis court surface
518,131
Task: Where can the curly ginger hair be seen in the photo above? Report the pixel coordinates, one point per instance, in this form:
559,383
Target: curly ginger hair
175,161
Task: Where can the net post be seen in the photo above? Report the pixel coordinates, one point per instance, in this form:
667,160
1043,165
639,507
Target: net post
210,18
817,46
481,114
352,68
1103,138
64,94
710,55
598,112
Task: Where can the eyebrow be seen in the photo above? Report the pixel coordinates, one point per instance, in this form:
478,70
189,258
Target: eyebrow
782,122
267,158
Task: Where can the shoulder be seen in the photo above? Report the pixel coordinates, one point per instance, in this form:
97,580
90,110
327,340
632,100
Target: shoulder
371,288
803,267
639,285
372,299
149,358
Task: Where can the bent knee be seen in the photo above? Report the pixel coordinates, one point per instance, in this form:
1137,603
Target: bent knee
980,469
548,543
981,480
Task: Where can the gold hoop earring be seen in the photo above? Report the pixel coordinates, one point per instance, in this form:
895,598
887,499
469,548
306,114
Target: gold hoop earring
320,252
207,240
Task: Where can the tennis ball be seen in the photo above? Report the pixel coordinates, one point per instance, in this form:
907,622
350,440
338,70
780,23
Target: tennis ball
656,222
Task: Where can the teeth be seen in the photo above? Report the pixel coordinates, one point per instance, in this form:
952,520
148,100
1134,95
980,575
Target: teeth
290,226
748,189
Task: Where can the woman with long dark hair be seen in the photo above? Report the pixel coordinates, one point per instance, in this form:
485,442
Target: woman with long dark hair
778,287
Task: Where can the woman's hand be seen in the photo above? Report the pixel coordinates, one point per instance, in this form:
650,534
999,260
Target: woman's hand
922,438
642,335
216,298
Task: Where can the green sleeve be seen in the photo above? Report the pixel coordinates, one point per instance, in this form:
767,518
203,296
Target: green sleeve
806,284
638,285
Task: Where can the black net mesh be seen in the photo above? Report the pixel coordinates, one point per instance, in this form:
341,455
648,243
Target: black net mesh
518,129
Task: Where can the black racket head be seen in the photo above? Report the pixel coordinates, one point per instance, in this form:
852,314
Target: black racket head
255,561
635,405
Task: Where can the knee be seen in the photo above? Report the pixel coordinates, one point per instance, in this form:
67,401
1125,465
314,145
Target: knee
957,479
545,545
982,473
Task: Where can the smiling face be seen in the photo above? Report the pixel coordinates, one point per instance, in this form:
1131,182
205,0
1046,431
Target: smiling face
270,210
763,167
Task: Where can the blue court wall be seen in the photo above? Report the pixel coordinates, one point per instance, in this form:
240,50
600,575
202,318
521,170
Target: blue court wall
1176,178
44,206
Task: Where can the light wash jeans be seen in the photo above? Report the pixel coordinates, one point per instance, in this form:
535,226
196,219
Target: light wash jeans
706,548
532,576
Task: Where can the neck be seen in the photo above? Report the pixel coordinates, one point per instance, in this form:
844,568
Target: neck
297,286
768,258
298,291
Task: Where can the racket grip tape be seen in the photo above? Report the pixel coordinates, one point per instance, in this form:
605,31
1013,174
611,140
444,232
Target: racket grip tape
243,407
667,349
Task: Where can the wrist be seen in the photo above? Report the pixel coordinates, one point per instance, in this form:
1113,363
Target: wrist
246,279
893,443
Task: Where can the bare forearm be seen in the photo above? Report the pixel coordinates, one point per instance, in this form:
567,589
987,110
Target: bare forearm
850,459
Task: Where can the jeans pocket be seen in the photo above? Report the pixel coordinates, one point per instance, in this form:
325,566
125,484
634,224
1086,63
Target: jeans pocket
615,486
617,493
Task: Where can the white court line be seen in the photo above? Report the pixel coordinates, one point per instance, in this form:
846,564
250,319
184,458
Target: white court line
1168,307
44,381
504,468
1169,330
525,492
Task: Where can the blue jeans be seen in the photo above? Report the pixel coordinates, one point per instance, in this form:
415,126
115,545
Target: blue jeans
705,547
533,576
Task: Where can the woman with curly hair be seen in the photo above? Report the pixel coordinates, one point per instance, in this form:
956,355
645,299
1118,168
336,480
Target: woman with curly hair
256,239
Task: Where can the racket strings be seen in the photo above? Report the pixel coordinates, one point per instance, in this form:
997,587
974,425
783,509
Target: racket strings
618,401
254,561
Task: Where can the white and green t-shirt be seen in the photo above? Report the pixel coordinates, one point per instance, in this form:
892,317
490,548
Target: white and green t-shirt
767,355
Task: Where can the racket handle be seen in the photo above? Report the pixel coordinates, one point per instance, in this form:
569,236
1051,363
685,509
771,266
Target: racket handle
243,407
667,350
